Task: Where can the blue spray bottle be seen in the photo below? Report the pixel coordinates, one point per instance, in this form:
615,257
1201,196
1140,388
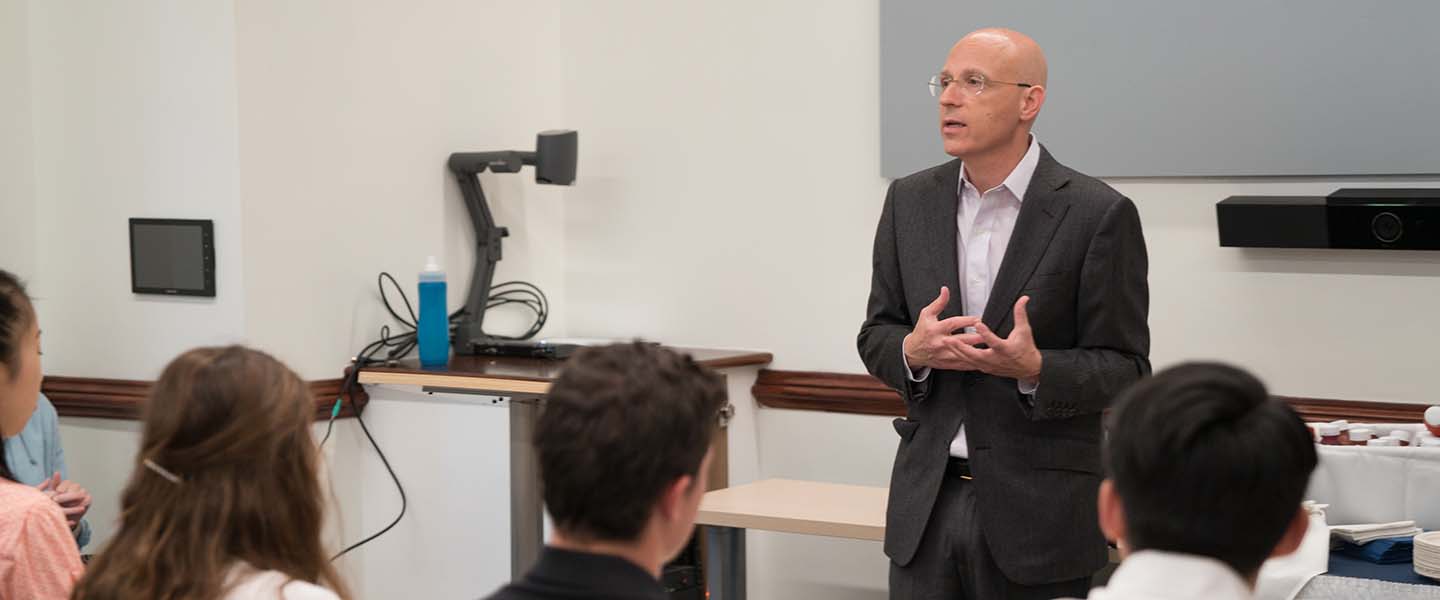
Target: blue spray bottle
433,331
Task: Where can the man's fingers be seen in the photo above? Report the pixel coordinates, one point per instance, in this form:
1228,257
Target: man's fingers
946,357
1022,317
978,356
989,337
955,363
938,305
957,323
970,339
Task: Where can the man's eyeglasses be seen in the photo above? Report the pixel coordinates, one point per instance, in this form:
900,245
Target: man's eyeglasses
972,84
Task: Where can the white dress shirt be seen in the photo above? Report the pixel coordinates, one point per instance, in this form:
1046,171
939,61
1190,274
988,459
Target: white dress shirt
1155,575
984,223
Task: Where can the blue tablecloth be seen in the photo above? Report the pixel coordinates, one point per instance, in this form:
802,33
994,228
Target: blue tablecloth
1344,566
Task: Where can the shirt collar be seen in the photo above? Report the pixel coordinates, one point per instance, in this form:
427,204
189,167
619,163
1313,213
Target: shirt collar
1018,182
1157,574
598,575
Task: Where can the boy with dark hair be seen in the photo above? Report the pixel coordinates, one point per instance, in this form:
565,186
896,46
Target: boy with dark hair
1206,477
624,447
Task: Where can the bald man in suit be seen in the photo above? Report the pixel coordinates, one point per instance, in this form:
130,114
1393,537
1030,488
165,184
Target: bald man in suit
1008,306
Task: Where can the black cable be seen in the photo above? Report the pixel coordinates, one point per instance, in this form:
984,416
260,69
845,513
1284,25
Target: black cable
524,293
360,360
380,282
403,501
330,424
351,380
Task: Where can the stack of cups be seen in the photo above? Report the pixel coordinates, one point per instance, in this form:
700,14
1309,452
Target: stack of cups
1329,434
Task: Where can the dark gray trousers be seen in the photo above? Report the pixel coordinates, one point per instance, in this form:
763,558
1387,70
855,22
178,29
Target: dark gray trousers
953,561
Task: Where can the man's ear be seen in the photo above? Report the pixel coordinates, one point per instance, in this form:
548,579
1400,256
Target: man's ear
1112,514
1030,102
1294,533
672,498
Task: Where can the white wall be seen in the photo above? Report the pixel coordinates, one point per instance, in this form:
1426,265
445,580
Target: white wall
17,164
134,116
99,453
730,179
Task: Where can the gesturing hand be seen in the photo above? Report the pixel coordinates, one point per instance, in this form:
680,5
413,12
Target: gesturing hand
1015,356
933,342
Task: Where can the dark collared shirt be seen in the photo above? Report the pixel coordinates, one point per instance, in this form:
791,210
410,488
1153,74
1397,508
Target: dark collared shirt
563,574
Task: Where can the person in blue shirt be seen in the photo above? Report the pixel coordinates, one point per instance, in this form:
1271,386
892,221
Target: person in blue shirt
36,458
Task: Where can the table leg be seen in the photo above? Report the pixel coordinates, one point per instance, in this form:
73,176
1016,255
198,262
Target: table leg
725,563
526,505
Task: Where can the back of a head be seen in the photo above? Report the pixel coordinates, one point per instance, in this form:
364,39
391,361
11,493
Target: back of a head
1206,463
620,423
16,315
226,472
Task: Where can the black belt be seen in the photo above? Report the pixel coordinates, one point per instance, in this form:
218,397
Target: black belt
958,467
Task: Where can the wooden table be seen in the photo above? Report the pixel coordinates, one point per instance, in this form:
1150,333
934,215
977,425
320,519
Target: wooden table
523,383
808,507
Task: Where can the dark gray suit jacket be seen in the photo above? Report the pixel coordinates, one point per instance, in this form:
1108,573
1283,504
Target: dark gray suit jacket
1077,250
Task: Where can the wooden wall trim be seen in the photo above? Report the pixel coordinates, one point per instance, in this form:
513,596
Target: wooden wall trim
829,392
865,395
1364,411
121,398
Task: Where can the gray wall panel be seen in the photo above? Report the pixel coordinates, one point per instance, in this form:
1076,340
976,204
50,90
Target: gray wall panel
1217,88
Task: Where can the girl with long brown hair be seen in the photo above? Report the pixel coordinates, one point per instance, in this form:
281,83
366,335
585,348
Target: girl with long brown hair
225,501
38,557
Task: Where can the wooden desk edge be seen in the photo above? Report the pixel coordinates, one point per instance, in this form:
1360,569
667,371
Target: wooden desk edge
514,384
855,531
464,382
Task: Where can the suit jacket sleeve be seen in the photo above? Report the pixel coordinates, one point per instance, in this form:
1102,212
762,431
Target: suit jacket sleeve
1113,342
887,316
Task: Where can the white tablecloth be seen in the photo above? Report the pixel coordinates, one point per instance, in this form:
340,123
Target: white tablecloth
1365,484
1326,587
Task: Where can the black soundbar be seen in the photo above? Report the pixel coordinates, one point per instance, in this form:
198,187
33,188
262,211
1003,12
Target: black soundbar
1356,218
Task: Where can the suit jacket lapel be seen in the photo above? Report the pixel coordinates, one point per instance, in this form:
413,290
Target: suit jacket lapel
941,233
1041,211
